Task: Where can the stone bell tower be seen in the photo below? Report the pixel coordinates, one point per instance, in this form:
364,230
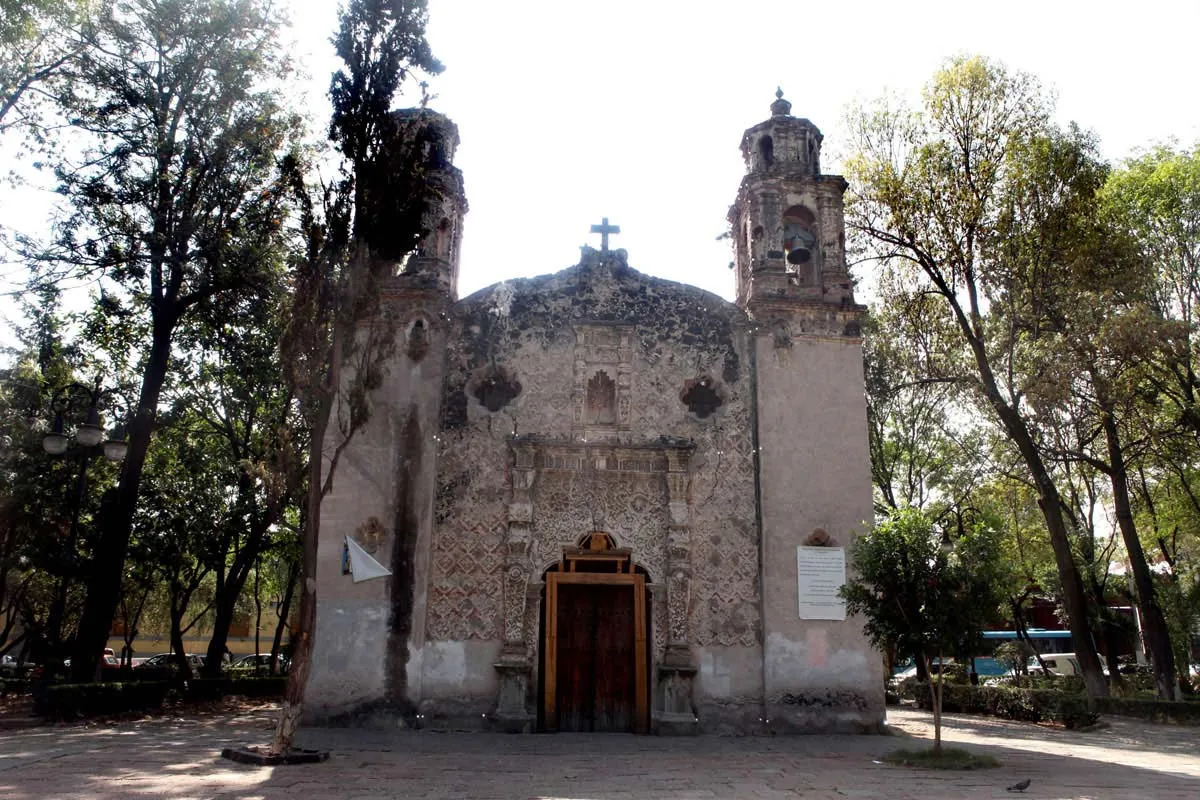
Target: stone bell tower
787,224
813,464
370,634
437,256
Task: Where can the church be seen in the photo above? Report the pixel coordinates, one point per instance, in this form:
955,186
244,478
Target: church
597,500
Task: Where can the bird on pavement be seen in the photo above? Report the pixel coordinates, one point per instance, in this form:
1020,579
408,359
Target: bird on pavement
1020,786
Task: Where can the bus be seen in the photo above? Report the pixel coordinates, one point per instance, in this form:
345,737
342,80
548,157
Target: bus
987,665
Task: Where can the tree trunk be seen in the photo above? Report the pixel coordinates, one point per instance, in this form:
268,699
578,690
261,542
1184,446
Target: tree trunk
1050,503
285,608
935,693
257,616
180,659
1049,500
226,605
1154,624
293,695
115,520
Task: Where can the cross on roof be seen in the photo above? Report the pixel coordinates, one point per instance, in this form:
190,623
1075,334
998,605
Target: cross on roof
604,229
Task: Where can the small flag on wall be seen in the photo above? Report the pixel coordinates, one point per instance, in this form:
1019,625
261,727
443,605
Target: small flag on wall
362,566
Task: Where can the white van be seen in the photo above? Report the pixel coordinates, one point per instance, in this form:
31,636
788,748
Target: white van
1056,664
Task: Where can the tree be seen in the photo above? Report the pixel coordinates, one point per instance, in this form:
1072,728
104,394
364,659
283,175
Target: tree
1075,287
923,592
236,396
49,503
928,188
173,202
38,40
352,238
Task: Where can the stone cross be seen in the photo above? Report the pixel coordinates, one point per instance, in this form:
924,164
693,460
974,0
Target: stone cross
604,229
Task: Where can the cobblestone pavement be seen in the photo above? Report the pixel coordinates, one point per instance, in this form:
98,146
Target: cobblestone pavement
179,758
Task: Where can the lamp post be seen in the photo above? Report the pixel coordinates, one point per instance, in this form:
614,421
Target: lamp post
89,443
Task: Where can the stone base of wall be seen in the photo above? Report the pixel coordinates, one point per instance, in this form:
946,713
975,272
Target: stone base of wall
840,711
831,712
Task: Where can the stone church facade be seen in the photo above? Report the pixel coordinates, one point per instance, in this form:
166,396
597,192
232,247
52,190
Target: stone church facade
593,488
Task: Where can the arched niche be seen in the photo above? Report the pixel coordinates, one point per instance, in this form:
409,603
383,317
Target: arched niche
800,238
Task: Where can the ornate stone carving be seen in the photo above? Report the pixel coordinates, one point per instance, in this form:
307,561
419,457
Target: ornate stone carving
603,378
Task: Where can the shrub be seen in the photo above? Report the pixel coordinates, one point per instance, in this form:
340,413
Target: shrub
207,689
1180,713
1027,705
73,700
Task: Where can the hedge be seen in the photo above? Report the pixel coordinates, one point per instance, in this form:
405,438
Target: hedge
72,700
1180,713
216,688
1028,705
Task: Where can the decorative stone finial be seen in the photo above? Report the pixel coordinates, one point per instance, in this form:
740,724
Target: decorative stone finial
781,107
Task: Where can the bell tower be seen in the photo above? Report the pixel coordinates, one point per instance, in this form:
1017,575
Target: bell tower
812,464
787,222
436,258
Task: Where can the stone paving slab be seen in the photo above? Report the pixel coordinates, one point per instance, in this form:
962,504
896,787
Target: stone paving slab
179,758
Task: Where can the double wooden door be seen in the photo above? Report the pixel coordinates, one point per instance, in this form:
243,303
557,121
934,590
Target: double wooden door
596,654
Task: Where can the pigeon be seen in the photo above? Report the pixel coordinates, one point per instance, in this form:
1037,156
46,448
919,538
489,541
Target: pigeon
1020,786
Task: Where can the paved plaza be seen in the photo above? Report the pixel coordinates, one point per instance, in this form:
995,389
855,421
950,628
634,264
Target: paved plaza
178,758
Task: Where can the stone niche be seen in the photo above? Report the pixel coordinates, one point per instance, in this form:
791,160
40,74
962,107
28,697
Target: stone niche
603,368
637,494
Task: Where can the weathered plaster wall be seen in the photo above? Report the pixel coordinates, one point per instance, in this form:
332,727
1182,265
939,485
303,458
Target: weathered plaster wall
551,335
815,474
369,636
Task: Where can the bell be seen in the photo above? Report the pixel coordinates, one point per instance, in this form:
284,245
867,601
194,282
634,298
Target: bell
799,255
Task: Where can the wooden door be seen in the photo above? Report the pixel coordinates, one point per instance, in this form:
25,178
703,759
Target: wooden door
596,675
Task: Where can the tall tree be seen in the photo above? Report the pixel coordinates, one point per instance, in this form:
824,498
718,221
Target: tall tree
928,186
173,203
353,235
1075,288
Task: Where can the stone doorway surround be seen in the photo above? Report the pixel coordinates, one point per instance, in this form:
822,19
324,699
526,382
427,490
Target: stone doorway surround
665,554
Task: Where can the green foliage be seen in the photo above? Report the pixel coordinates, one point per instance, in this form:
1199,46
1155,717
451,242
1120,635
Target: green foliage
915,595
71,701
39,39
1069,708
1163,711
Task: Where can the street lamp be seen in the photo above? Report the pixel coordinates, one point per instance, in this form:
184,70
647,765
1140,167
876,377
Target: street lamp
88,438
89,434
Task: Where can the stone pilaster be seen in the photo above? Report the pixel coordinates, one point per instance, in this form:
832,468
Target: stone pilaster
515,666
674,711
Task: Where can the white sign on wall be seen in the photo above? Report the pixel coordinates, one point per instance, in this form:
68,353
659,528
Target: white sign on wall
820,573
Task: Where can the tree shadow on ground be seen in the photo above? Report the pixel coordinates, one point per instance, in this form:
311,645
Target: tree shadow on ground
179,758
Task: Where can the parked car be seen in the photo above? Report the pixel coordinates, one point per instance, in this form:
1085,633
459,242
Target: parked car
166,660
15,670
260,662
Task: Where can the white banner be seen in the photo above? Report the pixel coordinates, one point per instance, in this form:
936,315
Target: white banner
820,573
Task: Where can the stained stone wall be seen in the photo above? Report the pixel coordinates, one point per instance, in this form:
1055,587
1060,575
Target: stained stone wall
594,399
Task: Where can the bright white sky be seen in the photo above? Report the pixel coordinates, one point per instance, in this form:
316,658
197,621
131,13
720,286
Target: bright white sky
570,111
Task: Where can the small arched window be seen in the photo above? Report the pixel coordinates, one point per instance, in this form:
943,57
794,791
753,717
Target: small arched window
766,151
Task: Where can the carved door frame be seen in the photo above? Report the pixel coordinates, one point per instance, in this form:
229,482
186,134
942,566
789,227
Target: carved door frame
637,584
